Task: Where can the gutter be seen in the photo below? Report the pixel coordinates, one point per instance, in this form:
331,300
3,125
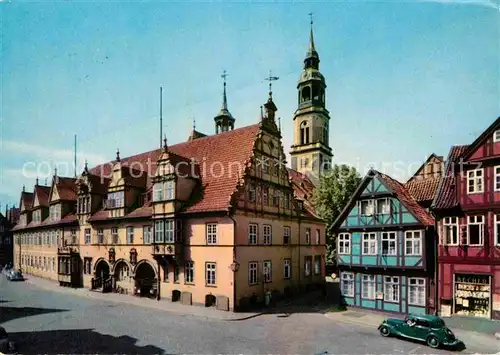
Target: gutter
234,258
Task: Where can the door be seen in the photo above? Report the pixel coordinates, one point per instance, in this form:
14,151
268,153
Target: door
421,329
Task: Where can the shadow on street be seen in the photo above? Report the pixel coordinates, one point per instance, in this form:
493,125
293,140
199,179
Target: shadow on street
10,313
78,341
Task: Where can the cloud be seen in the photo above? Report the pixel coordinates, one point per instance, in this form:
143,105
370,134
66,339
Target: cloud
483,3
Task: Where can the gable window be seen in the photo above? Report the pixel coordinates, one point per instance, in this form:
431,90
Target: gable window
265,195
87,236
159,232
475,181
169,187
475,233
286,202
287,269
368,287
347,284
210,274
211,233
383,206
265,165
54,213
157,192
267,234
450,231
251,193
146,235
366,207
416,290
391,288
308,236
169,231
389,243
253,278
100,236
73,237
115,199
496,136
369,244
413,243
286,235
497,178
276,198
252,233
130,235
189,272
267,271
497,229
344,244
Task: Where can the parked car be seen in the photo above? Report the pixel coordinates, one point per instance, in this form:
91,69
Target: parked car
15,276
6,346
426,328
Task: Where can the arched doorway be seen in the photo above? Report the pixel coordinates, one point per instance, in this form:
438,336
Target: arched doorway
145,280
101,269
122,272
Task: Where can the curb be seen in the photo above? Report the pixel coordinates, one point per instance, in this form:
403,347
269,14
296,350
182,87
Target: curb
88,294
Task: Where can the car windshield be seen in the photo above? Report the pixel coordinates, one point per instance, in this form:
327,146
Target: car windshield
17,274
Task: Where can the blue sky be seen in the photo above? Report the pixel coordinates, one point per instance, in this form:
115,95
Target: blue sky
404,78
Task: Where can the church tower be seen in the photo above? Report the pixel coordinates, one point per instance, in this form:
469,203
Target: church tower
310,152
224,121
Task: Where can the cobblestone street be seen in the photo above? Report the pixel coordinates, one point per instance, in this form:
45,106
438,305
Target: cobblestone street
43,321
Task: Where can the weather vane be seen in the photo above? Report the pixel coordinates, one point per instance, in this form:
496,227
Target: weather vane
271,78
311,17
224,75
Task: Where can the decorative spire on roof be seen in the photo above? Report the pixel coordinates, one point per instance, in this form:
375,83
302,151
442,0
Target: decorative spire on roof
312,56
24,188
165,146
117,154
224,121
36,182
269,106
194,123
86,167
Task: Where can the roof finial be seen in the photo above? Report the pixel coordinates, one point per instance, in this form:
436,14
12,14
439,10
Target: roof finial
55,171
46,181
271,78
36,182
311,35
165,146
194,123
24,188
117,154
224,75
279,124
261,112
86,167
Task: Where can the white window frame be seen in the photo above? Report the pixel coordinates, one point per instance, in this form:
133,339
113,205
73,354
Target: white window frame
416,285
147,235
287,269
344,243
308,236
413,239
347,284
169,190
253,273
497,229
158,192
169,231
253,234
496,136
267,265
252,194
287,235
496,180
450,224
130,235
267,234
189,272
474,221
317,265
210,274
307,267
369,205
392,289
475,176
100,236
368,286
369,240
159,236
392,242
88,239
385,209
318,237
211,230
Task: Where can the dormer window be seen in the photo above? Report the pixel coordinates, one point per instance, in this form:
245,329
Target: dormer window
164,191
37,216
83,204
366,208
55,214
115,199
383,206
496,136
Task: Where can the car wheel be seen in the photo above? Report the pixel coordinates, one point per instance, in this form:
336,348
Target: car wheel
384,331
433,342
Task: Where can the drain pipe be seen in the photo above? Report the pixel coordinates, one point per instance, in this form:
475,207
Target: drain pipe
234,259
436,264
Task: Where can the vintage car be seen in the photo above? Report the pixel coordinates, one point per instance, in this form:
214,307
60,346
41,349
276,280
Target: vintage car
426,328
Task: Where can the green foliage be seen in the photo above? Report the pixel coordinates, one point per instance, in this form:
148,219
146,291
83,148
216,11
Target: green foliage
330,197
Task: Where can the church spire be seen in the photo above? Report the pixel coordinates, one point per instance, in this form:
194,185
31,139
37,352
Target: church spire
312,57
224,121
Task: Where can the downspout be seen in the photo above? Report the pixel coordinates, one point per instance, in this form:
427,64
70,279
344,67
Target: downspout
234,259
299,221
436,265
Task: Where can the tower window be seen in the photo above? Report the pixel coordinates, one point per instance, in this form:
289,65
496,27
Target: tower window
316,92
306,94
304,133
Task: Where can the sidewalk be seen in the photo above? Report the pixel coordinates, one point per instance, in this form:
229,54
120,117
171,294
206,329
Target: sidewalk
477,330
162,305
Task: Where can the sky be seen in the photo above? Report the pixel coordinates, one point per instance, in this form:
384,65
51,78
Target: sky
405,78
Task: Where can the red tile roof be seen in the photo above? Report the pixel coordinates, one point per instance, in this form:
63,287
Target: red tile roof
446,196
222,159
303,188
407,199
66,188
423,189
27,199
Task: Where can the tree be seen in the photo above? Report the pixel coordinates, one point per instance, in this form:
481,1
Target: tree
330,197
